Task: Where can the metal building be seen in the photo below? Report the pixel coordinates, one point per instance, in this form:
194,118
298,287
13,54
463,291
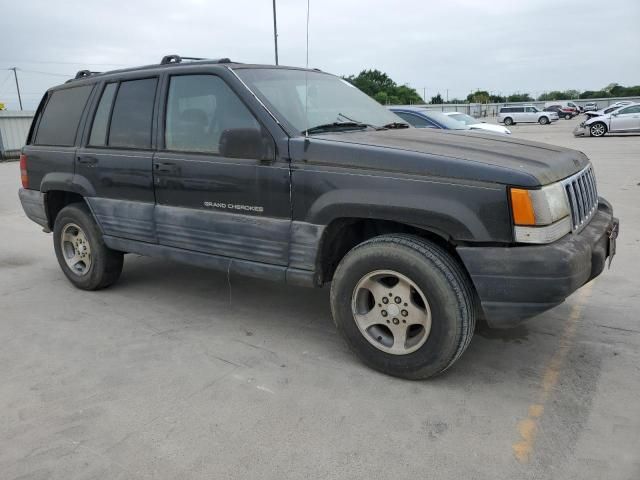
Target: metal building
14,127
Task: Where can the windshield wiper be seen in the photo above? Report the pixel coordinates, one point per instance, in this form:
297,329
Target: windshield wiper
335,126
396,125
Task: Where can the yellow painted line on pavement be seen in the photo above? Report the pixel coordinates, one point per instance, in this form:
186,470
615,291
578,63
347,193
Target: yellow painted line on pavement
528,428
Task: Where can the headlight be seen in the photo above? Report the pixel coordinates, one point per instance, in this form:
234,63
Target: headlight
540,216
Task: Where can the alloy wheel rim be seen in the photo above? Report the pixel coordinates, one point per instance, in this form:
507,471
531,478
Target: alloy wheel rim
391,312
75,249
597,130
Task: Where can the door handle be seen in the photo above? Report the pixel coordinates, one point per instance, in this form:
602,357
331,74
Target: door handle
166,167
88,161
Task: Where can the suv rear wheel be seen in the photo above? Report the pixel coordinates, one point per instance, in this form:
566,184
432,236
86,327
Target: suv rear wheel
84,258
508,121
404,306
543,120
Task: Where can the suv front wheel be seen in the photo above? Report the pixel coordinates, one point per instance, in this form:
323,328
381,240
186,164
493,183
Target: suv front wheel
543,120
404,306
84,258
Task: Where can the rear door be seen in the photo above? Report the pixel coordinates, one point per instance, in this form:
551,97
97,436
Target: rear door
626,120
216,194
519,115
115,161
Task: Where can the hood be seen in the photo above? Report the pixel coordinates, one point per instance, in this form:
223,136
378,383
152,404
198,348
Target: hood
597,118
443,153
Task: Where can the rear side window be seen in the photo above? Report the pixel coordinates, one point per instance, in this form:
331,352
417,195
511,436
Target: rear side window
101,120
506,110
132,114
61,116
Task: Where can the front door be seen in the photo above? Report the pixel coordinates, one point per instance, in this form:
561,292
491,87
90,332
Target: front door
220,187
627,120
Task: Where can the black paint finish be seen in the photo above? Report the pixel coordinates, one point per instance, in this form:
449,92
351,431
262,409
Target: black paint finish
267,218
516,283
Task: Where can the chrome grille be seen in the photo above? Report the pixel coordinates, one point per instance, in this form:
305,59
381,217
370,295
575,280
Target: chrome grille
583,197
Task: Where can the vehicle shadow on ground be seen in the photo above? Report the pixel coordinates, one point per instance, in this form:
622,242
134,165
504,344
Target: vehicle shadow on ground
289,311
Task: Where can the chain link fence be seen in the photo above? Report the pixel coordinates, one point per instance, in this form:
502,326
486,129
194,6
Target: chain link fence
480,110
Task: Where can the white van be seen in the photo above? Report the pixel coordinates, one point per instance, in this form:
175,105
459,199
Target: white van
525,114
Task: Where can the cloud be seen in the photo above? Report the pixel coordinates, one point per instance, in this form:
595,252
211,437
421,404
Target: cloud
459,45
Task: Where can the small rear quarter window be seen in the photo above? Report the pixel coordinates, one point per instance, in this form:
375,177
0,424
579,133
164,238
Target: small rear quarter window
61,116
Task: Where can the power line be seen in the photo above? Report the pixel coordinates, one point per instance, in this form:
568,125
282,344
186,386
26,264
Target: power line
66,75
61,63
4,81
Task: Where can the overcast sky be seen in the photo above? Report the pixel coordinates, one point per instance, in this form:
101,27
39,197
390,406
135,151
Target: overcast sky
460,45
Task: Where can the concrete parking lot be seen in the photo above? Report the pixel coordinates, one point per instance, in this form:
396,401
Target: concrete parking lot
175,373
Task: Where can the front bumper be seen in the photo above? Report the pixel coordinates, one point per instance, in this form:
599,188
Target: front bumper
581,130
515,283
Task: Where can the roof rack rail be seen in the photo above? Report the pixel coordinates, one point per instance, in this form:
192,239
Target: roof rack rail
84,74
167,59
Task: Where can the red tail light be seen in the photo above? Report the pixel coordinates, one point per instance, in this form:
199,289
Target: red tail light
23,171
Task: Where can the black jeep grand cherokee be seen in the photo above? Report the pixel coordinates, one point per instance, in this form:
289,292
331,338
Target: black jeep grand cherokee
295,175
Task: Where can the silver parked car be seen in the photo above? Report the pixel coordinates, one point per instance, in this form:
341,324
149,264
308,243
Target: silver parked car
625,119
525,114
609,109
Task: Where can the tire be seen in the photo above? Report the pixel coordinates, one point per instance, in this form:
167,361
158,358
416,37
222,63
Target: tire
83,257
543,120
440,305
509,121
567,117
597,129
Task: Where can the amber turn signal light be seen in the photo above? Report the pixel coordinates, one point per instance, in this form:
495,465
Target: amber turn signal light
522,207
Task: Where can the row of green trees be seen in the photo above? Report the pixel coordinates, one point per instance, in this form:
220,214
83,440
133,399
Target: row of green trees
378,85
381,87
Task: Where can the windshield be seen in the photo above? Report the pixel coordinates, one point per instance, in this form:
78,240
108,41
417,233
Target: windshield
328,99
464,118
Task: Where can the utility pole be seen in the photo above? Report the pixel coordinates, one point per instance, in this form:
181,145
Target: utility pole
275,30
15,75
447,95
424,94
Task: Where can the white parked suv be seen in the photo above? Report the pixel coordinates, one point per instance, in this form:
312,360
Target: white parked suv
525,114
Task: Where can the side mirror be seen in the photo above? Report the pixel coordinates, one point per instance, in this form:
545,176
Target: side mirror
247,143
614,114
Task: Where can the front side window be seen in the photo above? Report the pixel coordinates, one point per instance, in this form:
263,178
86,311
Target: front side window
61,116
200,108
633,109
133,114
531,110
